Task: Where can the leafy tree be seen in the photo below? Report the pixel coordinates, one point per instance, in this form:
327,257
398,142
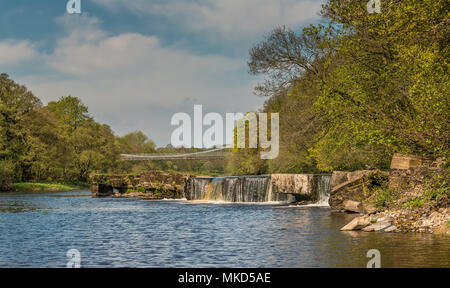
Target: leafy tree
69,111
360,88
136,143
15,103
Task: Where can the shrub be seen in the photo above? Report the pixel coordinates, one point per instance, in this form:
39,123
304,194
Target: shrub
416,202
384,197
6,175
438,194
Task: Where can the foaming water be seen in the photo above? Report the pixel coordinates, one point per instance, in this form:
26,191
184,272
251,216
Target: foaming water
277,188
37,230
323,190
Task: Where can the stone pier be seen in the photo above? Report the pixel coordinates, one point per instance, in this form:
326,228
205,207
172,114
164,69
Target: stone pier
152,183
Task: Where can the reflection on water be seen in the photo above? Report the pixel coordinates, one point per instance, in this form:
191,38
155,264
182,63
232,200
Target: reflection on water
17,207
36,230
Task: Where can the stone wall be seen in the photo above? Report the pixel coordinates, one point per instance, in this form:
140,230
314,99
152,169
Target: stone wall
407,173
310,187
301,184
341,177
407,170
171,184
405,162
351,186
415,178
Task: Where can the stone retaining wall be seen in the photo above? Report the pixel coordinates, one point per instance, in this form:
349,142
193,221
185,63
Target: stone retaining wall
170,184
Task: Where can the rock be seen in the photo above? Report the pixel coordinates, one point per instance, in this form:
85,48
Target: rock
380,226
170,184
351,185
391,229
444,229
101,190
405,162
353,206
357,223
370,208
307,185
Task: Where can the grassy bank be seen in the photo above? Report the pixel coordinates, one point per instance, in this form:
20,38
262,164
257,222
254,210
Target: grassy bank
48,187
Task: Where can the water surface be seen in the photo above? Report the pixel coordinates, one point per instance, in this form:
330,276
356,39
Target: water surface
37,230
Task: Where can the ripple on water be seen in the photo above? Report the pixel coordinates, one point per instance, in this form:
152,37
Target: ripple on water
36,230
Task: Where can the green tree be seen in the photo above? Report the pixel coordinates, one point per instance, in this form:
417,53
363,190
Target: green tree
15,103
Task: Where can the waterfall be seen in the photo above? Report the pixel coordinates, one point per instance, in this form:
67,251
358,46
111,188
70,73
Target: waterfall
256,189
323,189
230,189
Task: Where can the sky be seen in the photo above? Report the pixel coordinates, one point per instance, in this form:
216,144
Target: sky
137,63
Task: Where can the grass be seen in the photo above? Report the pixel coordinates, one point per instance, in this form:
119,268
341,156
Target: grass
416,202
38,187
438,194
384,197
140,189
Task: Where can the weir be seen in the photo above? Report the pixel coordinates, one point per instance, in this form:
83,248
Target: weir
258,189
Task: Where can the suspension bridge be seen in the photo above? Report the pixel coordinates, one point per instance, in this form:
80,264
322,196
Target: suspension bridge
213,154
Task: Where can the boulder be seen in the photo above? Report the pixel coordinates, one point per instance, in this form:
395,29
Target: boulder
370,208
391,229
444,229
340,177
357,223
354,186
353,206
380,226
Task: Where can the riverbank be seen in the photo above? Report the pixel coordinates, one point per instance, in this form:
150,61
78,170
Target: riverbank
401,200
48,187
155,195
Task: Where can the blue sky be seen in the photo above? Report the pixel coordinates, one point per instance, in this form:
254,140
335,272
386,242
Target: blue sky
136,63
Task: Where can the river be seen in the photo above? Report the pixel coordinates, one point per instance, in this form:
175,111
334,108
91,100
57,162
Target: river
37,230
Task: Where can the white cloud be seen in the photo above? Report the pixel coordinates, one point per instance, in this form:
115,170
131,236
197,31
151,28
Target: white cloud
232,19
133,82
13,52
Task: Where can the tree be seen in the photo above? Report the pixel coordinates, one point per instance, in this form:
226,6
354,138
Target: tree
70,112
15,103
361,88
136,143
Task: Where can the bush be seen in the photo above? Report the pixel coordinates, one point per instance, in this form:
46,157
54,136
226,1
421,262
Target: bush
416,202
384,197
6,175
438,194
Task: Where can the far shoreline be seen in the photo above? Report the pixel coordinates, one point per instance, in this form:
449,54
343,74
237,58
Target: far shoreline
30,187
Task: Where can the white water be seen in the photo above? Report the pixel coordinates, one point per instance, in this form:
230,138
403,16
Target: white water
257,189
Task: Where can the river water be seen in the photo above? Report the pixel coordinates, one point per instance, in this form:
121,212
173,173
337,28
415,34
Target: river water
37,230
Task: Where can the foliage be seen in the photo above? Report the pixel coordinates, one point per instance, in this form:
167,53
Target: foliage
415,202
33,187
59,142
384,197
438,194
359,88
350,93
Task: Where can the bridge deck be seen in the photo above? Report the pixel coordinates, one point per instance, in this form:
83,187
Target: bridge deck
202,155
